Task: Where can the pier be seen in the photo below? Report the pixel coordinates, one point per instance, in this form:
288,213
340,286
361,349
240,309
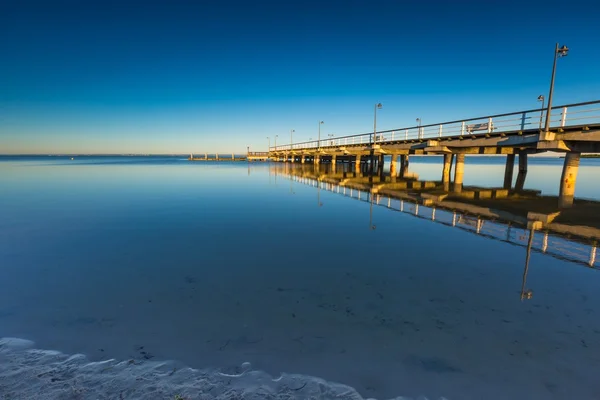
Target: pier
217,157
572,129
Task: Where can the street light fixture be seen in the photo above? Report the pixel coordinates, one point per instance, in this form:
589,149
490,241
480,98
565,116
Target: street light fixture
319,138
373,141
276,136
269,139
558,52
542,99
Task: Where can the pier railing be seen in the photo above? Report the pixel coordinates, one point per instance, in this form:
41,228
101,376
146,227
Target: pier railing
570,115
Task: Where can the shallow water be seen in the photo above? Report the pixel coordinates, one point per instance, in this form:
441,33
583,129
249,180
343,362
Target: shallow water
217,264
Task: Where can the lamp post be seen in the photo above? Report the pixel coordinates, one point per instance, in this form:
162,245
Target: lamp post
542,99
291,141
558,52
377,106
319,137
419,127
269,141
276,136
373,140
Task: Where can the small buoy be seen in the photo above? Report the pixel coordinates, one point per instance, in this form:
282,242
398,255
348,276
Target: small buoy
72,158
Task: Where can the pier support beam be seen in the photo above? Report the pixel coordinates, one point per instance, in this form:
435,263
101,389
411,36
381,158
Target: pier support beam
520,184
508,171
380,165
459,171
316,159
393,167
357,164
333,163
568,180
302,159
446,171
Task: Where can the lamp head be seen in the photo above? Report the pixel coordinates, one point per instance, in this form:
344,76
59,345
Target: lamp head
541,97
379,105
563,51
321,122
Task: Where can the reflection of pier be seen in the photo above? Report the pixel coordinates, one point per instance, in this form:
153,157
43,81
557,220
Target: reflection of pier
493,224
573,129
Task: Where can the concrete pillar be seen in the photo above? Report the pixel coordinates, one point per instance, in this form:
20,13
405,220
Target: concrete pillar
333,163
508,171
302,159
380,165
522,171
446,171
393,167
568,180
403,165
317,159
357,164
459,170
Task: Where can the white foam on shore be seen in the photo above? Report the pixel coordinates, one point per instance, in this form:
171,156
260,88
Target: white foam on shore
29,373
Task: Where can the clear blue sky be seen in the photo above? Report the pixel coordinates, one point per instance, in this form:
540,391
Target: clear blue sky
205,76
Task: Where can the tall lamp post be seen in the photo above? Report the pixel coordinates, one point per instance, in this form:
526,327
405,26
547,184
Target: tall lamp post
269,141
377,106
542,99
558,52
419,127
291,138
319,137
373,141
276,136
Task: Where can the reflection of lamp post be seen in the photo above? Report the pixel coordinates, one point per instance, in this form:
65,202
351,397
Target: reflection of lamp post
319,138
541,98
527,294
558,52
371,226
419,127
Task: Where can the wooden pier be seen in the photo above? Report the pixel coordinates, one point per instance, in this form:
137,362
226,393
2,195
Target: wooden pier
573,129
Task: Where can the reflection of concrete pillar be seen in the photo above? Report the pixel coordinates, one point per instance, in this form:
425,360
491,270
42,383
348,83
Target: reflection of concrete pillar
522,171
568,180
459,170
393,162
446,171
508,171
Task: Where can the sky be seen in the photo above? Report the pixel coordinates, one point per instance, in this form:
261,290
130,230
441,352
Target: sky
217,76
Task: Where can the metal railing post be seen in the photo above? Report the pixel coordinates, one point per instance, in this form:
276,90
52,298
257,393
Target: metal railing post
490,125
462,128
406,134
440,132
563,118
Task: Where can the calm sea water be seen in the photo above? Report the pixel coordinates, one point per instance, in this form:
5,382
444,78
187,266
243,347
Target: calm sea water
217,264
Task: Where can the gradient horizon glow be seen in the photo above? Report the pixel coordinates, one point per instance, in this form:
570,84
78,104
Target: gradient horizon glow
182,77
